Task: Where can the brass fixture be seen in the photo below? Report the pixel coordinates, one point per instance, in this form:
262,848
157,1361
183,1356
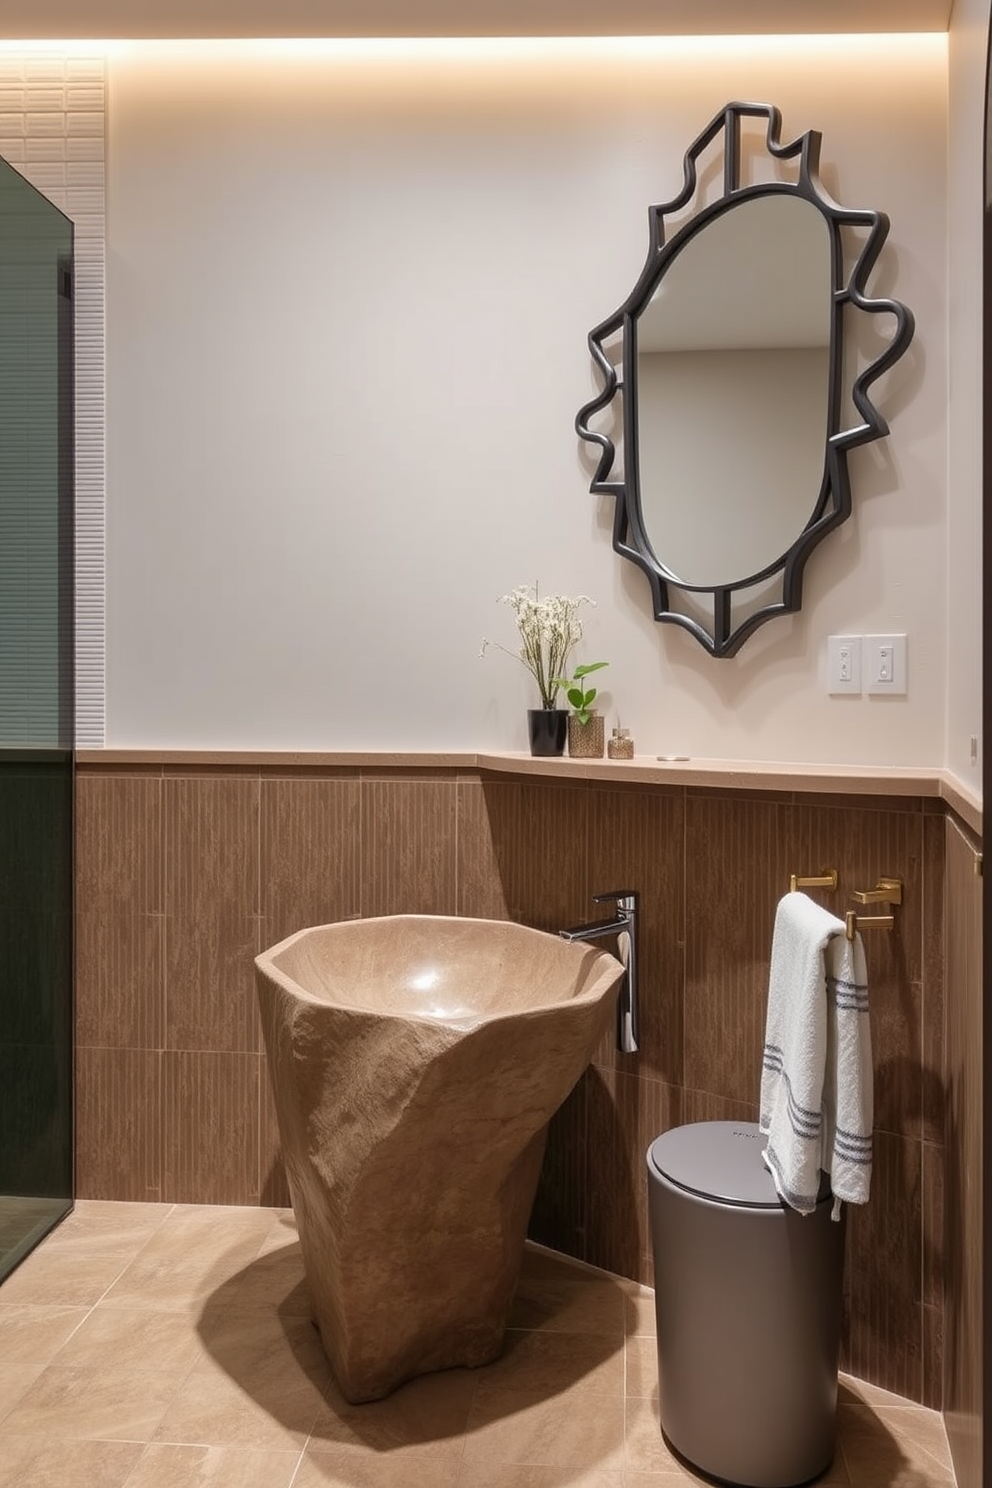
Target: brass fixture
825,880
853,921
886,891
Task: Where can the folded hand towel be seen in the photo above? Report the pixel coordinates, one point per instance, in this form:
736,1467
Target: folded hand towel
848,1078
816,1071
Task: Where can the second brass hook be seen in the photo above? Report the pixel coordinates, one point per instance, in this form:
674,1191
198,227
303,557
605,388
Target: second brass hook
886,891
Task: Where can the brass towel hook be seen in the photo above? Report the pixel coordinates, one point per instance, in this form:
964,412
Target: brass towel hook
886,891
825,880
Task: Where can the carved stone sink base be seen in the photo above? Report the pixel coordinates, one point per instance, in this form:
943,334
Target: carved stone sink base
416,1062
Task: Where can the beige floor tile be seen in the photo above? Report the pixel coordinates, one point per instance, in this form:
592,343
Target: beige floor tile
33,1462
645,1449
31,1333
921,1428
163,1465
109,1223
15,1381
181,1269
663,1479
639,1312
48,1277
641,1355
344,1467
591,1305
881,1445
509,1475
198,1367
215,1225
133,1338
274,1280
535,1431
550,1363
852,1391
266,1355
425,1419
282,1231
649,1456
112,1405
212,1409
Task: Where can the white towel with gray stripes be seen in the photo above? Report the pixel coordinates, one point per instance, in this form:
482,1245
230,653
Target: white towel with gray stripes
816,1078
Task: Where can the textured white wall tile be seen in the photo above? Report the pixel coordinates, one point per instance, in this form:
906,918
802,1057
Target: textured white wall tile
53,132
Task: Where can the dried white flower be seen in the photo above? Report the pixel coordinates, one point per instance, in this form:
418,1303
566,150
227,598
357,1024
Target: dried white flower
548,628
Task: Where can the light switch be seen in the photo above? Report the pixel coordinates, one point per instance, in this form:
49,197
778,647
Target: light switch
886,659
843,664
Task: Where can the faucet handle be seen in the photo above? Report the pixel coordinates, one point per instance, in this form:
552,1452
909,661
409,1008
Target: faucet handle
625,897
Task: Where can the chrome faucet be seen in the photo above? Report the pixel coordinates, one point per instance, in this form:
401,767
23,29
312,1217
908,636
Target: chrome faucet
624,926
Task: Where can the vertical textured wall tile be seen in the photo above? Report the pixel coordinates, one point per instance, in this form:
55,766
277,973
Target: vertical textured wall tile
539,838
702,1105
558,1216
211,835
480,886
210,1128
883,1324
118,1125
119,845
210,981
964,1240
933,978
933,1274
624,1114
211,897
273,1187
120,979
310,853
119,901
739,854
408,847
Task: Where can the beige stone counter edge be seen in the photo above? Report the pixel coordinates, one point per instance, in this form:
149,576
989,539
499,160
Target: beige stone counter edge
878,780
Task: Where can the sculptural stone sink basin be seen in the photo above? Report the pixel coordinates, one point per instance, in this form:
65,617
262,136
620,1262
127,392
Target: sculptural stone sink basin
415,1062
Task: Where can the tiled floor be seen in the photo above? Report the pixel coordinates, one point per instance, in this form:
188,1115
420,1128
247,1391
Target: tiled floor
22,1224
150,1345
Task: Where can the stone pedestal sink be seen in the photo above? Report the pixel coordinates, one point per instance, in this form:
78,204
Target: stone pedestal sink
415,1062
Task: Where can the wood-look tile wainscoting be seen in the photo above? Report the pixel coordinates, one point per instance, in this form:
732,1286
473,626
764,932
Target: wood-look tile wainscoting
185,871
963,1142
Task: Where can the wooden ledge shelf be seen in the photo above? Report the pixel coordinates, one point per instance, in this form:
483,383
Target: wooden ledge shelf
897,781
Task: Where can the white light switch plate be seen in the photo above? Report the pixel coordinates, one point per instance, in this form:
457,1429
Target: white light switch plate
843,664
885,659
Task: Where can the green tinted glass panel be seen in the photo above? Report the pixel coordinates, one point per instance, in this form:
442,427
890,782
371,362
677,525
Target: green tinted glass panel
36,724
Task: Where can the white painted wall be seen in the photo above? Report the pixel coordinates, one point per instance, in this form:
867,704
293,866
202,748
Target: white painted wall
967,62
348,294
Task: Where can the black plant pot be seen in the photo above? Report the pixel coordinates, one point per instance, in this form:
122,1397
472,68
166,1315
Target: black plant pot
548,728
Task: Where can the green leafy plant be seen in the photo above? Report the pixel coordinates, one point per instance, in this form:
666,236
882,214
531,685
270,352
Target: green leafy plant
581,698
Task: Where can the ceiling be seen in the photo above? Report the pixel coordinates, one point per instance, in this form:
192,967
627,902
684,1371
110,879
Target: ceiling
105,19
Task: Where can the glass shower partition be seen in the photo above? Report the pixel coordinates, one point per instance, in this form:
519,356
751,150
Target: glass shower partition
36,716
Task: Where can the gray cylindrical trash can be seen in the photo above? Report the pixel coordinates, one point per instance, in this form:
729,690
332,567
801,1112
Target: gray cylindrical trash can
748,1304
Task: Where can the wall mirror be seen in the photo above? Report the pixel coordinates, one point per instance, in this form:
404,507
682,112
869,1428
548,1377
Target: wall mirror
735,379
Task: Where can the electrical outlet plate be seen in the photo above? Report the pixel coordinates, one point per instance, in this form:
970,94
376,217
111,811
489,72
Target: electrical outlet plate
885,657
843,664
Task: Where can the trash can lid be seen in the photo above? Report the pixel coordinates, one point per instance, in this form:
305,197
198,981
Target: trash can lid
718,1160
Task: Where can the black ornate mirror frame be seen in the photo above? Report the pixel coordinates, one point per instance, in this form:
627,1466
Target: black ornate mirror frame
833,504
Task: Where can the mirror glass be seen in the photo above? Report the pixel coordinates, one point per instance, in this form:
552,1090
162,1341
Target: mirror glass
727,451
739,325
